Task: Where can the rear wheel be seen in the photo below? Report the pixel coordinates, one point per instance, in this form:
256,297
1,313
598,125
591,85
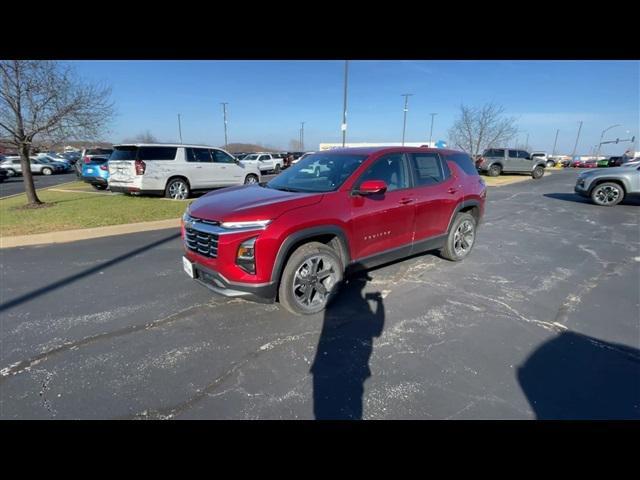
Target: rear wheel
537,173
461,238
47,171
310,279
495,170
177,189
550,163
11,172
251,178
277,168
607,194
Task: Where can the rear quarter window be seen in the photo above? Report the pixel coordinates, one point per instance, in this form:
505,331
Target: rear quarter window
157,153
464,162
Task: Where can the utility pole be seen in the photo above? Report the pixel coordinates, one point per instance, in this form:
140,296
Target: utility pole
553,154
431,132
302,136
602,135
179,129
344,105
224,113
406,109
577,138
526,143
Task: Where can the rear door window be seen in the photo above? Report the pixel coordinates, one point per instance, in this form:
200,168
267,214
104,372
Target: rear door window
201,155
513,154
428,169
494,152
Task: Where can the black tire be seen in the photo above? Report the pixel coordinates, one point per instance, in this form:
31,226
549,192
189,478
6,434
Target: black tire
288,295
494,170
47,171
277,168
537,172
607,194
451,250
551,163
177,189
98,186
250,179
11,172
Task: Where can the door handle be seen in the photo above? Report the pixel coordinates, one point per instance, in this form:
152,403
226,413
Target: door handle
405,201
198,166
452,190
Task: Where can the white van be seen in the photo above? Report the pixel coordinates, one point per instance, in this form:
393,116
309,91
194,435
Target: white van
175,170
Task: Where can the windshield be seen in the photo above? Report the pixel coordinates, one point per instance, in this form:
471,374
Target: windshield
320,172
253,156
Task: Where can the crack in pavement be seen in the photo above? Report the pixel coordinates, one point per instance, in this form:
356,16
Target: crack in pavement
26,365
169,413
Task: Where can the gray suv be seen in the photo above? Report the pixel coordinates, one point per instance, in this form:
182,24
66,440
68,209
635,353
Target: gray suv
495,161
608,187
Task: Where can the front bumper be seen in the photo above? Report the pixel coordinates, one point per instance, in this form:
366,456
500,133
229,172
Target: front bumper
262,293
581,189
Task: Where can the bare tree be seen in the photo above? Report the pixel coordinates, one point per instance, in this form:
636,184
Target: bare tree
44,99
483,127
146,137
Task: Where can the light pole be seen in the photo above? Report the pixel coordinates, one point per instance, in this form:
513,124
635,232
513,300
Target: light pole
553,154
179,129
602,135
526,143
577,138
224,113
406,109
431,132
344,104
302,136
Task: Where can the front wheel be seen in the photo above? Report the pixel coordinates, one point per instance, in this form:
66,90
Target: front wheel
11,172
537,173
550,163
47,171
495,170
177,189
277,168
310,279
461,238
607,194
251,179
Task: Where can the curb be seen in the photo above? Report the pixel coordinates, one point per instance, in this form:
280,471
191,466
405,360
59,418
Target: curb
66,236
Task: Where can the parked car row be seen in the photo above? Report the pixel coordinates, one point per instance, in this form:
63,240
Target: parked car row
268,162
38,165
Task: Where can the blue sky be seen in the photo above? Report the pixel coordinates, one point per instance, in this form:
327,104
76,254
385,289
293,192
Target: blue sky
269,99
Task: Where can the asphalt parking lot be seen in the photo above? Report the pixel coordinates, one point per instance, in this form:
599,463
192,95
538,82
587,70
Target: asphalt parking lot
15,185
541,321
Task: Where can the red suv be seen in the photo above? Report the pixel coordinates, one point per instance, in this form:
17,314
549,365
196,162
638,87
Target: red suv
295,238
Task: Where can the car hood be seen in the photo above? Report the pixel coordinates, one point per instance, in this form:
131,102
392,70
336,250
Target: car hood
248,203
604,172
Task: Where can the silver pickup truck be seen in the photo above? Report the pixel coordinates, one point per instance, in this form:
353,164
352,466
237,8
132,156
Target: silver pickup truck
495,161
609,186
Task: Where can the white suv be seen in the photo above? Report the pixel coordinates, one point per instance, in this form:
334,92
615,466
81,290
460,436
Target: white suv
175,170
266,162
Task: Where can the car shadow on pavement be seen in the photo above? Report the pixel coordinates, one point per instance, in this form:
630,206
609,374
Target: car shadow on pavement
85,273
574,197
574,376
341,364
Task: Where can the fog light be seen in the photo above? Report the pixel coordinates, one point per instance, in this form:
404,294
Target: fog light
245,258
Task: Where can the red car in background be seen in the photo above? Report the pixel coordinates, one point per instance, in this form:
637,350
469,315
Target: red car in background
592,163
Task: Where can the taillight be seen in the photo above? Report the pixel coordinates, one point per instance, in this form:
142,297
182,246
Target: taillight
86,160
140,167
104,167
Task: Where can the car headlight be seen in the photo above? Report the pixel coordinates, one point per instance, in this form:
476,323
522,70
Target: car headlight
246,225
246,256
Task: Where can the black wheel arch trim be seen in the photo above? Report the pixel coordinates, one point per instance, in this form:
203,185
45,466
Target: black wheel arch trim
308,233
462,205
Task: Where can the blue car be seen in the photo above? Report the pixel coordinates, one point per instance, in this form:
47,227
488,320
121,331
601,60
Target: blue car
96,172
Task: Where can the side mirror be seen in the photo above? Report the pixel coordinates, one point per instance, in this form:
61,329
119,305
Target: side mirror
371,187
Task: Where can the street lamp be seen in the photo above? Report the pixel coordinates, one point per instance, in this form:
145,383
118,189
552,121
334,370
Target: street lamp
431,132
344,105
224,113
602,135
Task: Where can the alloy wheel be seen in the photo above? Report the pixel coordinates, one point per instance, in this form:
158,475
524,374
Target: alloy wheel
463,238
313,281
607,195
178,191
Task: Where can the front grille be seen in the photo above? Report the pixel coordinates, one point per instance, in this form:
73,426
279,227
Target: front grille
203,243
